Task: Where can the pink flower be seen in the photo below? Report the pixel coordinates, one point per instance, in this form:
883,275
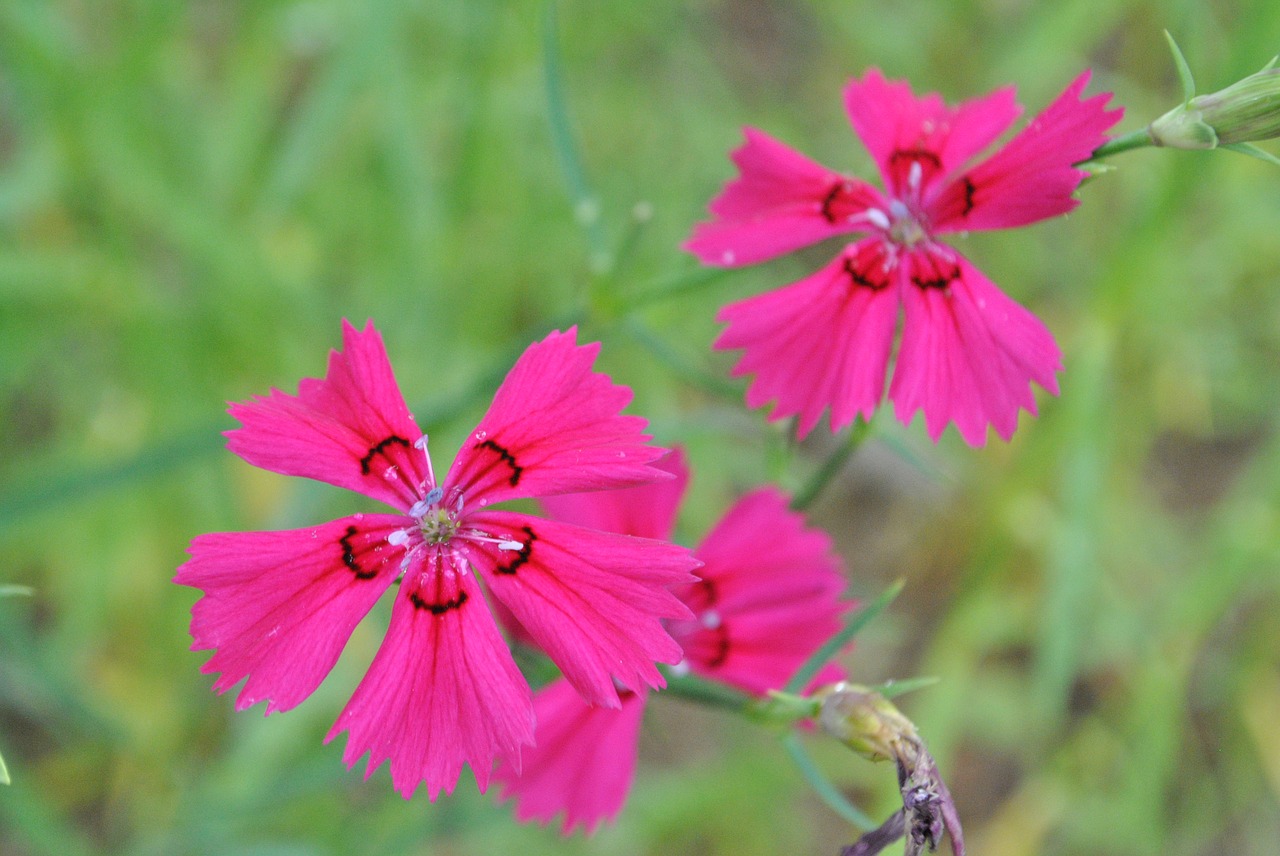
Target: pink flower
968,353
768,598
443,689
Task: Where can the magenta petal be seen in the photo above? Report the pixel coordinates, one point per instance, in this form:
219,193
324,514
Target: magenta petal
900,129
554,427
969,355
280,606
593,601
768,598
351,429
821,342
1032,176
648,511
584,761
781,201
441,691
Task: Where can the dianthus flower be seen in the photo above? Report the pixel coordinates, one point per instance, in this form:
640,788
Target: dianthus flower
968,353
768,597
443,689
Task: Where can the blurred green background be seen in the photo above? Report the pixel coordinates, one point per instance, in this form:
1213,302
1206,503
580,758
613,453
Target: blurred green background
193,194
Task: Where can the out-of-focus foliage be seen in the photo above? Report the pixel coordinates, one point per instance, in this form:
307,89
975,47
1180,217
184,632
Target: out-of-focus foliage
193,194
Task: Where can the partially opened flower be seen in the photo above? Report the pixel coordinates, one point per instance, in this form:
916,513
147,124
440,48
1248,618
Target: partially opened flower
768,598
968,353
443,689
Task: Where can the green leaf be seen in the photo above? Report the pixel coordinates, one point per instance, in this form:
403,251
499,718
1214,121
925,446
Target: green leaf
10,590
1253,152
894,688
4,773
586,207
826,791
857,621
1184,70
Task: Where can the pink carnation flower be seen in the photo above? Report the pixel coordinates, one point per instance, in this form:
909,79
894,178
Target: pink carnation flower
968,353
443,689
768,598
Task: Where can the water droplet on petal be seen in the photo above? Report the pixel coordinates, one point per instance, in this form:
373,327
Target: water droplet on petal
480,435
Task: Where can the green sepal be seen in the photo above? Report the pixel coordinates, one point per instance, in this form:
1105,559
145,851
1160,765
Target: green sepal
1253,152
1184,70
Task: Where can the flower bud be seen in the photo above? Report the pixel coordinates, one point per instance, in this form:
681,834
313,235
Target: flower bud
865,721
1245,111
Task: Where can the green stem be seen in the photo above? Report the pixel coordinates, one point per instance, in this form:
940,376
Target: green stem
818,482
706,692
1133,140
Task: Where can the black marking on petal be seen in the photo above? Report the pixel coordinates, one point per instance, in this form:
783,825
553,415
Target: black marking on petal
507,458
939,277
720,646
702,595
969,191
829,200
437,608
857,277
378,448
349,555
521,556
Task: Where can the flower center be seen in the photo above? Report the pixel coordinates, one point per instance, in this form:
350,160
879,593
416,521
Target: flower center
905,229
438,526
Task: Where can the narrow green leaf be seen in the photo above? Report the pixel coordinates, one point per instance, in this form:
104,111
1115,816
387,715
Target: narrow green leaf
857,621
677,286
585,206
10,590
826,791
45,491
1184,70
1253,152
4,773
677,362
893,689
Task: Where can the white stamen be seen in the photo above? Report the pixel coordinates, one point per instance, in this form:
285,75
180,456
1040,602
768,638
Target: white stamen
878,218
710,619
510,545
398,538
679,670
915,174
421,507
